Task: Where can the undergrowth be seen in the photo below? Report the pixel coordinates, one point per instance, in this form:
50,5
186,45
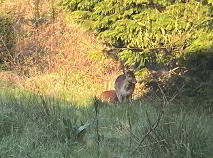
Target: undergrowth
34,125
53,73
50,54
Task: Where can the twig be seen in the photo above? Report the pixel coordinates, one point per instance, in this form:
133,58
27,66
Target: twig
154,126
10,54
154,132
129,132
164,96
140,49
5,45
44,104
136,139
130,126
175,95
97,125
53,10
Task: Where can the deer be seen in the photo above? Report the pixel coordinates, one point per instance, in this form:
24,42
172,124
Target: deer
109,94
125,86
109,97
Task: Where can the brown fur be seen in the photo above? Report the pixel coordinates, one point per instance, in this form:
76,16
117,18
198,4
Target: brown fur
125,86
109,96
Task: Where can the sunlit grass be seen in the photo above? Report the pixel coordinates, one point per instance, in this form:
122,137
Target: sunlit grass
47,98
60,58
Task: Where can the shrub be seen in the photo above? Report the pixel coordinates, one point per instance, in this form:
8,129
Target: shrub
163,31
7,37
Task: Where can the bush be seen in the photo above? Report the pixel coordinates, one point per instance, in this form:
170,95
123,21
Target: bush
7,38
163,31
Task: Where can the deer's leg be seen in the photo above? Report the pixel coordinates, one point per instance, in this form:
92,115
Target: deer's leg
120,99
124,98
130,98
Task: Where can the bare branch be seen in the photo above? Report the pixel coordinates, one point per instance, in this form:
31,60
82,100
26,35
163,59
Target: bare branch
154,126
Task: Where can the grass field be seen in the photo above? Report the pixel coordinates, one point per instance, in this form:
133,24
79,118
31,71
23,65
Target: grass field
40,126
47,98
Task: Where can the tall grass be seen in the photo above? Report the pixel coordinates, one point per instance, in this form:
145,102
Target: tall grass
54,55
40,126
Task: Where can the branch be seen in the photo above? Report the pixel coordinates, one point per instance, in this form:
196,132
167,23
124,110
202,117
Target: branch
137,49
154,126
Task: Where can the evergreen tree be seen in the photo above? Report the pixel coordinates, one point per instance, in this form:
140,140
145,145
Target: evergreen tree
163,32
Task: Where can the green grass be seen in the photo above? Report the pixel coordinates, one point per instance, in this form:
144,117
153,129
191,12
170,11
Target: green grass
75,88
41,126
47,125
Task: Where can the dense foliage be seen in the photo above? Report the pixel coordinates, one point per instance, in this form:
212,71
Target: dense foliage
149,31
161,35
7,37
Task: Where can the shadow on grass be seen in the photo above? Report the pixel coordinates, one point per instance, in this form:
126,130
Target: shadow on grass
34,125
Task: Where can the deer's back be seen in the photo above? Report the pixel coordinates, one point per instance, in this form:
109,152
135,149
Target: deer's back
109,96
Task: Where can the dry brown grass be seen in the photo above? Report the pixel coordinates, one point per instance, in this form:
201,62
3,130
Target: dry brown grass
58,56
